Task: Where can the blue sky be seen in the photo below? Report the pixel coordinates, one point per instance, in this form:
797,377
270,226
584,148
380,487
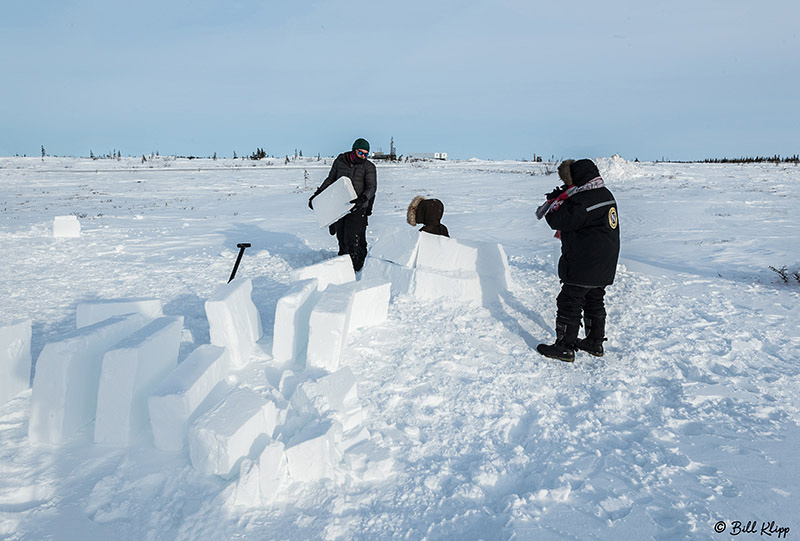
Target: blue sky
490,79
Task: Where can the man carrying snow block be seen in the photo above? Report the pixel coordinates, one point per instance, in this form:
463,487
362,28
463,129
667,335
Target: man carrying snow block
584,214
351,230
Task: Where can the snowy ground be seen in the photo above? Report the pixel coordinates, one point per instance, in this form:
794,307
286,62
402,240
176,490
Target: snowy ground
691,418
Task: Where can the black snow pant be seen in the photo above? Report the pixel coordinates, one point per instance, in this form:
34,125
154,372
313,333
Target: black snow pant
574,301
351,232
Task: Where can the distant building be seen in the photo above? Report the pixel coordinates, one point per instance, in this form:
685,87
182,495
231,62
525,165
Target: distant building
427,156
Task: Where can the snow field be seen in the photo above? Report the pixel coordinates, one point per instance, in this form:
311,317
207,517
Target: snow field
15,359
91,312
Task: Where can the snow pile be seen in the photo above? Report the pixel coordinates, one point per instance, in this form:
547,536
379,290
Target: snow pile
435,267
618,168
15,359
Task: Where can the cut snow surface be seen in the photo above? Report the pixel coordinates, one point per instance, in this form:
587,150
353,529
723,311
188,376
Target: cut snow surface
691,417
15,359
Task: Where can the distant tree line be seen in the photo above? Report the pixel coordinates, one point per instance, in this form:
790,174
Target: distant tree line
756,159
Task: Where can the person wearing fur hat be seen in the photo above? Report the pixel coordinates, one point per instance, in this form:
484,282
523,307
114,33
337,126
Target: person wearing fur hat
351,230
584,214
427,212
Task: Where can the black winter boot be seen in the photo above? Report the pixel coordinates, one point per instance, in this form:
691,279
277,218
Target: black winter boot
595,336
564,347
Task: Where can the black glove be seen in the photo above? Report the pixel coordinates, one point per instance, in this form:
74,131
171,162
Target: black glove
555,193
359,203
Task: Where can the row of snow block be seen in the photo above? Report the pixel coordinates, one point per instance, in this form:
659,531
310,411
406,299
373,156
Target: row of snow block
337,270
432,266
66,227
292,314
131,371
91,312
233,320
181,394
223,436
15,359
339,311
65,386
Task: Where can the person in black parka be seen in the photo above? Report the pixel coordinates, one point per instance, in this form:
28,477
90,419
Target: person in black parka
584,214
351,230
427,212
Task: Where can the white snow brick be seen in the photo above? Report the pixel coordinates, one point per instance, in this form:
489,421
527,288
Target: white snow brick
233,320
292,313
328,326
314,454
67,377
181,393
15,359
337,270
130,372
91,312
493,264
401,278
370,303
273,471
337,391
334,201
248,493
66,226
463,286
398,246
445,254
221,437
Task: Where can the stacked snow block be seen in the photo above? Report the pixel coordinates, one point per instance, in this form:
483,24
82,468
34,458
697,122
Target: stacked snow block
15,359
338,270
261,481
91,312
315,452
223,436
182,393
336,396
233,319
130,373
432,267
342,309
66,226
292,313
67,378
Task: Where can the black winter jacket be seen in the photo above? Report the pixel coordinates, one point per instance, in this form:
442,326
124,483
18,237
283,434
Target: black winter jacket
363,175
589,226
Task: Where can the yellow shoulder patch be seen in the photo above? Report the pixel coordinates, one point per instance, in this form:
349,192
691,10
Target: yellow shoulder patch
613,220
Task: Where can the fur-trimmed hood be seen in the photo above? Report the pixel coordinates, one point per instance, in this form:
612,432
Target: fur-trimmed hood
411,213
425,211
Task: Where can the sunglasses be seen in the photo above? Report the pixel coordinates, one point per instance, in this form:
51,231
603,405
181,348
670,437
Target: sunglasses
362,153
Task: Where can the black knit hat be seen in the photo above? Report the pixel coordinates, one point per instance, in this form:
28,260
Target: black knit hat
361,144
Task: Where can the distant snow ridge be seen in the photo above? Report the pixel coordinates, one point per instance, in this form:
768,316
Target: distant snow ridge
617,168
119,369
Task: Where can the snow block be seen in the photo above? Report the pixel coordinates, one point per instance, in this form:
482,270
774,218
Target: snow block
248,493
91,312
397,246
337,270
463,286
67,378
292,313
130,373
273,471
493,270
334,201
66,226
221,437
177,397
445,254
337,392
370,303
400,277
15,359
328,326
314,453
233,320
